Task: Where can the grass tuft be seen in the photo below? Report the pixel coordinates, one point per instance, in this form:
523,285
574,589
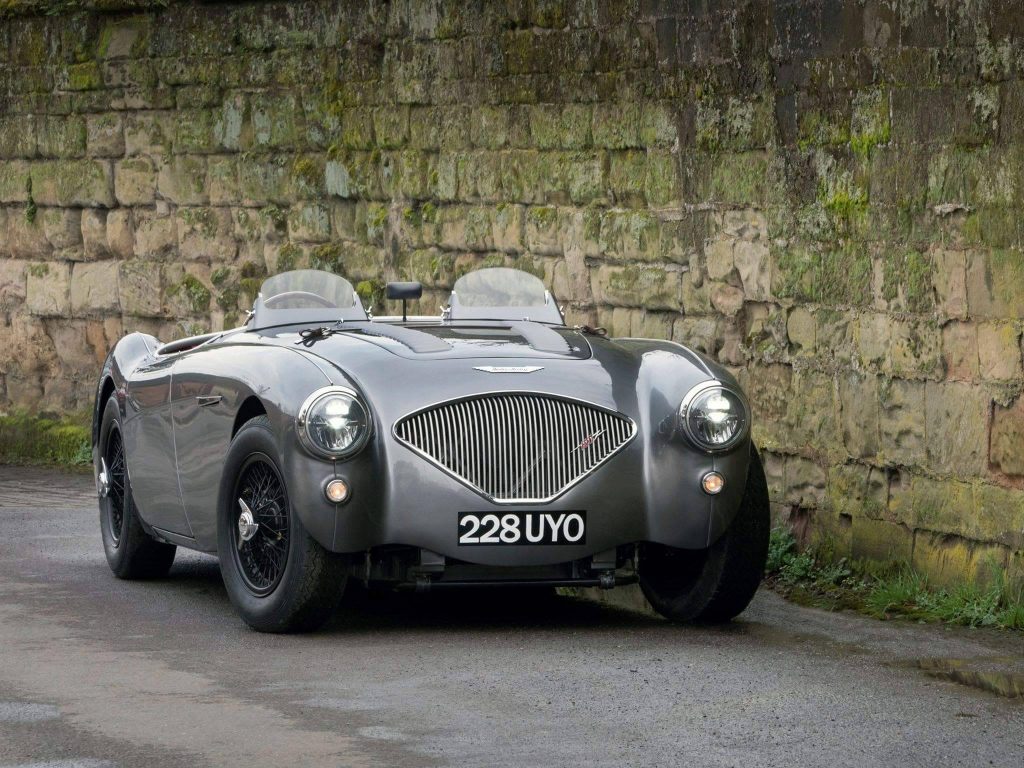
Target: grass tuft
811,577
26,439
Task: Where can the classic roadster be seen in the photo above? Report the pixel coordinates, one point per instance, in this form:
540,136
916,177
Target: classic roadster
489,445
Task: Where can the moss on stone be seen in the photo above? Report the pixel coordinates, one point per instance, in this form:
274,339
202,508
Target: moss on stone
194,292
908,276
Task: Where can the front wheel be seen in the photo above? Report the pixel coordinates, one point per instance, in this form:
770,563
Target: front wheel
131,552
278,577
715,584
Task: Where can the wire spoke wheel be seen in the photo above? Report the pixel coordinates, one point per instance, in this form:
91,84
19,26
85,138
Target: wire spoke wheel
114,457
262,551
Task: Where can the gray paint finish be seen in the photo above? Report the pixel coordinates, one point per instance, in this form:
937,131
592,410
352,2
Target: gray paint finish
648,492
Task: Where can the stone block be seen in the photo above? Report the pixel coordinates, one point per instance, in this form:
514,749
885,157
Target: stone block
135,181
956,421
94,233
120,236
26,239
995,283
726,299
221,181
616,125
858,490
205,235
13,283
999,352
812,415
17,136
949,278
1007,442
558,126
902,422
182,180
148,133
960,351
14,179
310,223
63,226
629,235
860,410
140,288
801,331
637,286
881,541
94,287
48,289
915,349
61,136
806,483
718,257
156,235
754,265
77,183
947,560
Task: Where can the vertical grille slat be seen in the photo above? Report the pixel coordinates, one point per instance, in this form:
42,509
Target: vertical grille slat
516,446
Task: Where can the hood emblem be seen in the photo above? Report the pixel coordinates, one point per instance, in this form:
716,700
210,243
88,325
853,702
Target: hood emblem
588,441
508,368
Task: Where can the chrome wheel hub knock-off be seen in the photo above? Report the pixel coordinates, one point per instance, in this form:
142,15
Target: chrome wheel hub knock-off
247,525
103,480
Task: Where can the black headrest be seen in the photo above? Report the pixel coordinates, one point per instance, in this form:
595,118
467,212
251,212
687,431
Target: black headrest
404,290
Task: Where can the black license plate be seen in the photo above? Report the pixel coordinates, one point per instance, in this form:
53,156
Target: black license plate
519,528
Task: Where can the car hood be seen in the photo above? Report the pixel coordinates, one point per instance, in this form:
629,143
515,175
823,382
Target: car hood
642,378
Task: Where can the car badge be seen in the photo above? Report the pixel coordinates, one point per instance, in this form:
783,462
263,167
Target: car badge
508,368
588,441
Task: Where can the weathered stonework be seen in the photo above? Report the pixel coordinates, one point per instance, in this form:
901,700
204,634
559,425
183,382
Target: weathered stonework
819,195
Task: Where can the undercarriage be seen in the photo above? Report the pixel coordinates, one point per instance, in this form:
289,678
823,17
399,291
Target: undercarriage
411,568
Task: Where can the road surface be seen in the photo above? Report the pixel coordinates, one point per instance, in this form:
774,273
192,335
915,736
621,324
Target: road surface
97,672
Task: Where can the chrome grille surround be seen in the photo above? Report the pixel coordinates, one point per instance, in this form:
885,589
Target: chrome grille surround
516,447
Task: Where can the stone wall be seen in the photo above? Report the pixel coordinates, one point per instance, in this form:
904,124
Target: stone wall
824,195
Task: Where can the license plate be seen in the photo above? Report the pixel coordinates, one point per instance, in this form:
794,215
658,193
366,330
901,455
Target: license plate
489,528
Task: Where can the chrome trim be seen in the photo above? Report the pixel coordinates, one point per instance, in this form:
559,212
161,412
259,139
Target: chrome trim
536,463
684,422
307,441
204,401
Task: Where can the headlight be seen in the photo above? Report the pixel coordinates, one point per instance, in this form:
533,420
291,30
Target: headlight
712,416
333,423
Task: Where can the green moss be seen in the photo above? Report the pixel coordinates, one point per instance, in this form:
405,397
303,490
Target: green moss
909,276
196,294
328,257
84,77
30,206
371,293
251,277
219,276
429,212
288,257
26,439
841,277
38,270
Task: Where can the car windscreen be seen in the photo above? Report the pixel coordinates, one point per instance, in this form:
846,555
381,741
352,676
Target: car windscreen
499,293
306,295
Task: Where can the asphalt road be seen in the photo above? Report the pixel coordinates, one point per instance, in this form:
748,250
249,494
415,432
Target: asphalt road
98,672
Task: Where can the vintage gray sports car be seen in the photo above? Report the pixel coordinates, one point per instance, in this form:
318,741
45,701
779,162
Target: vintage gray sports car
488,445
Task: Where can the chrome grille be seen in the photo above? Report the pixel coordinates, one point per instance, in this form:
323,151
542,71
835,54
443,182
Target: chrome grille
516,447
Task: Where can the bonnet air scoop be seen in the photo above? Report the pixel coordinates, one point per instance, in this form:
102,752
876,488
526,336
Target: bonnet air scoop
541,338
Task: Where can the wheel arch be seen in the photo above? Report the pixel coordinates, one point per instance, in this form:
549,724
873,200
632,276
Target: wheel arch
250,408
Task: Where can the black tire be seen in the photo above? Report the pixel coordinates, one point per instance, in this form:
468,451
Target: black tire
131,552
281,579
716,584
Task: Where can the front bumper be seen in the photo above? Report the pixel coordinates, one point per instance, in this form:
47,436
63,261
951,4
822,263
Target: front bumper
647,492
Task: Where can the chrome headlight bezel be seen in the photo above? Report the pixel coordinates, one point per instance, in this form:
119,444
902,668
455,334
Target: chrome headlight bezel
686,428
302,423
